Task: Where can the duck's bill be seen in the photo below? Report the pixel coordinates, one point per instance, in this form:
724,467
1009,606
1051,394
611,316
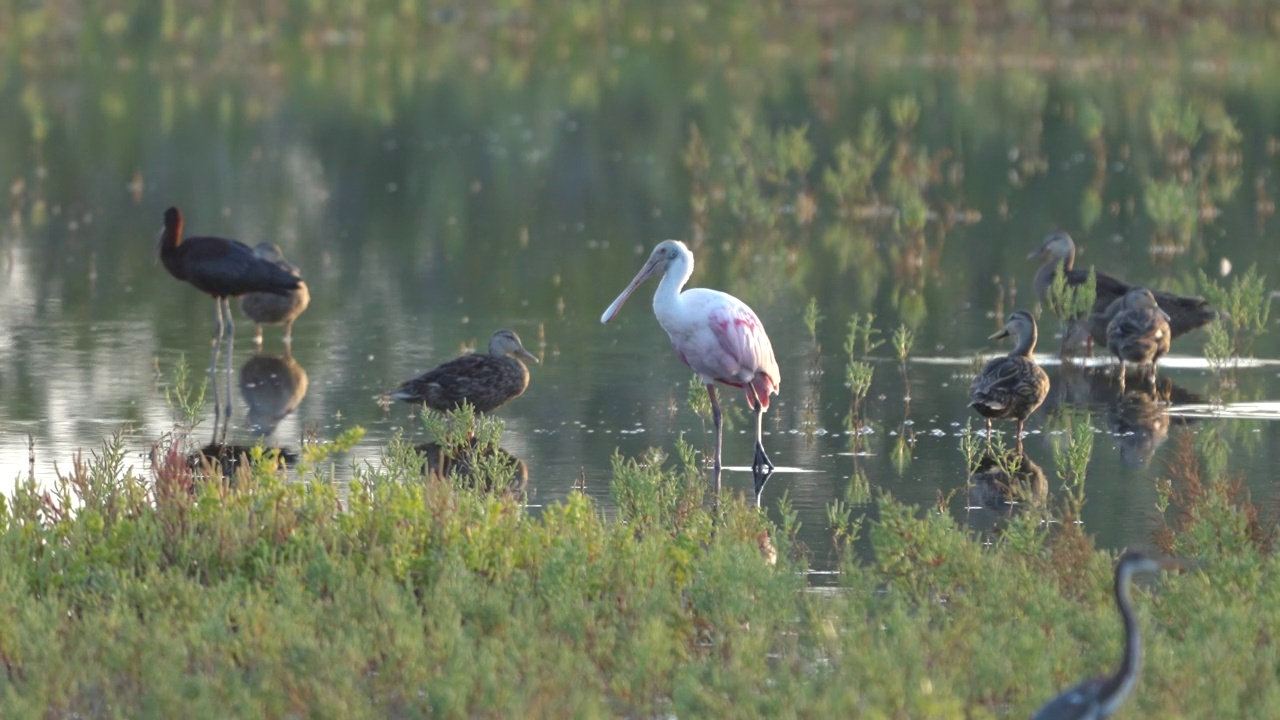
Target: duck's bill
527,355
999,335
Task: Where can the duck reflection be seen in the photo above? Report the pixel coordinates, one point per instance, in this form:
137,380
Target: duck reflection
1084,386
1005,481
492,467
229,458
1139,422
1137,417
272,387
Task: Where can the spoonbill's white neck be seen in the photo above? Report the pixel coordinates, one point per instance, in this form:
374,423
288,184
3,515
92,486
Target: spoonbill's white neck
678,272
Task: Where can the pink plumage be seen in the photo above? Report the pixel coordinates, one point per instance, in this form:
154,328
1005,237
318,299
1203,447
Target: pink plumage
714,333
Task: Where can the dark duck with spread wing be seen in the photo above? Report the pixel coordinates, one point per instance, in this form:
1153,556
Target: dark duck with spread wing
1185,313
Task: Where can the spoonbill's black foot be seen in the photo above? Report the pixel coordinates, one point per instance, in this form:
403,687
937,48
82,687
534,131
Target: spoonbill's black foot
761,460
761,468
761,476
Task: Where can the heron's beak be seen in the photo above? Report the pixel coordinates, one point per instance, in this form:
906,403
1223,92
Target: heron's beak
1002,334
527,355
649,268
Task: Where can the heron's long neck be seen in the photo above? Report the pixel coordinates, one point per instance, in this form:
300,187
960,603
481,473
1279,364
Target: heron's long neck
1119,685
1026,343
667,298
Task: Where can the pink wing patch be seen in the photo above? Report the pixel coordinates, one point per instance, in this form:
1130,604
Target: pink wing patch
743,340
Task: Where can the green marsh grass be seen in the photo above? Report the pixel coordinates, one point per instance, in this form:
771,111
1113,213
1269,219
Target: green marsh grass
1246,300
146,593
184,397
1072,304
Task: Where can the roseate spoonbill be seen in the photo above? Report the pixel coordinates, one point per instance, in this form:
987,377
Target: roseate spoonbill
1139,332
1185,313
1012,386
486,381
1099,697
265,308
222,268
716,335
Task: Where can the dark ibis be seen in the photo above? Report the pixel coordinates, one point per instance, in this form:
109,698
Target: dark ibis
715,334
222,268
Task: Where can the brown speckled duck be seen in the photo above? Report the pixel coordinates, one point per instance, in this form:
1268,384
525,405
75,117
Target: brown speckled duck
274,309
1139,332
1185,313
486,381
1012,386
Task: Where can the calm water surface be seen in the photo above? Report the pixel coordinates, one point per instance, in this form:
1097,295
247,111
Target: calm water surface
428,207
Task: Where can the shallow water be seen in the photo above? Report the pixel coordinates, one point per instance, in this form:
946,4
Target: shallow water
454,204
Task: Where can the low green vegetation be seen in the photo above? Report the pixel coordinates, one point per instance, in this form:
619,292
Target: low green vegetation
161,593
1245,304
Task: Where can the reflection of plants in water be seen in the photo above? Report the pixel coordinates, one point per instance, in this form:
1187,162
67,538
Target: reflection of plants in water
1199,146
813,376
1247,304
856,161
697,161
853,248
900,455
767,178
812,316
